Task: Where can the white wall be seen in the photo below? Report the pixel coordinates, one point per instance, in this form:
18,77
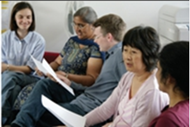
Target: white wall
52,23
133,12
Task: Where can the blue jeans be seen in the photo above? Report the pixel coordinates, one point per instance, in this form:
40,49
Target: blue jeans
32,110
12,83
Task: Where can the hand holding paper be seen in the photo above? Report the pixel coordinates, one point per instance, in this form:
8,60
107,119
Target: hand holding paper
45,68
39,65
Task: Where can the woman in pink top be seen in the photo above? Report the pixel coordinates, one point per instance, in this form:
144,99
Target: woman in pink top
173,78
136,100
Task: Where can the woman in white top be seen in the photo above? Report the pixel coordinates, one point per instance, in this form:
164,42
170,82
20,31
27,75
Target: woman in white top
18,44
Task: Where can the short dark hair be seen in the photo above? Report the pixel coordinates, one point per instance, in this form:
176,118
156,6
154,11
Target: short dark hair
19,6
146,39
87,14
174,61
113,24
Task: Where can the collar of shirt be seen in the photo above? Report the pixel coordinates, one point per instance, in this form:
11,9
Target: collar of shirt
26,39
111,51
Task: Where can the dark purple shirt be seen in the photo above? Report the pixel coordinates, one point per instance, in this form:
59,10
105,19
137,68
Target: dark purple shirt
177,116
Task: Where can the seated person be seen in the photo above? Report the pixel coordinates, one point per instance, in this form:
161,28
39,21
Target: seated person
109,31
173,78
137,99
80,59
18,44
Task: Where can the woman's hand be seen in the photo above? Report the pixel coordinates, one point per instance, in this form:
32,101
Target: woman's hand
38,72
4,67
61,73
63,77
51,77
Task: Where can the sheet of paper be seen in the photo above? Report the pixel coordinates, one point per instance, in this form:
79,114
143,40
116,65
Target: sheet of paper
68,118
51,71
46,68
39,65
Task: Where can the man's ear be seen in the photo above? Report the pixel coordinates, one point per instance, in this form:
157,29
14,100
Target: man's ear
109,37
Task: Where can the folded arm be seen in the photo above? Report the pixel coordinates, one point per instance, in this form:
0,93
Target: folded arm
24,69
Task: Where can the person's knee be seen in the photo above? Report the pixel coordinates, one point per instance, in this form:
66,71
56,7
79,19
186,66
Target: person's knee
9,81
11,76
44,83
8,75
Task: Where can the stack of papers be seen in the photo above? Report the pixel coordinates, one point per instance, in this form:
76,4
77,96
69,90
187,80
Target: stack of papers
46,68
67,117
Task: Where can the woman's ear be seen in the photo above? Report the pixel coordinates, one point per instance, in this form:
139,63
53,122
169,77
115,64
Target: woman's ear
170,81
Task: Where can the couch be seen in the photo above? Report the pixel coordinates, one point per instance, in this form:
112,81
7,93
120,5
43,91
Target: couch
50,56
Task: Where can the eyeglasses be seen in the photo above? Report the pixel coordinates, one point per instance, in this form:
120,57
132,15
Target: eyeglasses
80,26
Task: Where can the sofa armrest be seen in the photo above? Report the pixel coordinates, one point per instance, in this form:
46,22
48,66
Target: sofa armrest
50,56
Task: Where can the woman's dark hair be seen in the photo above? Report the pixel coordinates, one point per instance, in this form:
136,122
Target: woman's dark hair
19,6
145,39
87,14
174,61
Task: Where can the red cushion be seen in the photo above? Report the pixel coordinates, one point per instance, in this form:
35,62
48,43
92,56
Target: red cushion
50,56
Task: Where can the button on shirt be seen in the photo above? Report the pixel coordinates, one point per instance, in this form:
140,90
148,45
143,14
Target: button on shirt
18,52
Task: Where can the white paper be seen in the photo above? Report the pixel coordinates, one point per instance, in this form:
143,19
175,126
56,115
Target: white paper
46,68
67,117
39,65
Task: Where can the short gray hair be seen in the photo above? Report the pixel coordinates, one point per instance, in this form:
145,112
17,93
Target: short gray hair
87,14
